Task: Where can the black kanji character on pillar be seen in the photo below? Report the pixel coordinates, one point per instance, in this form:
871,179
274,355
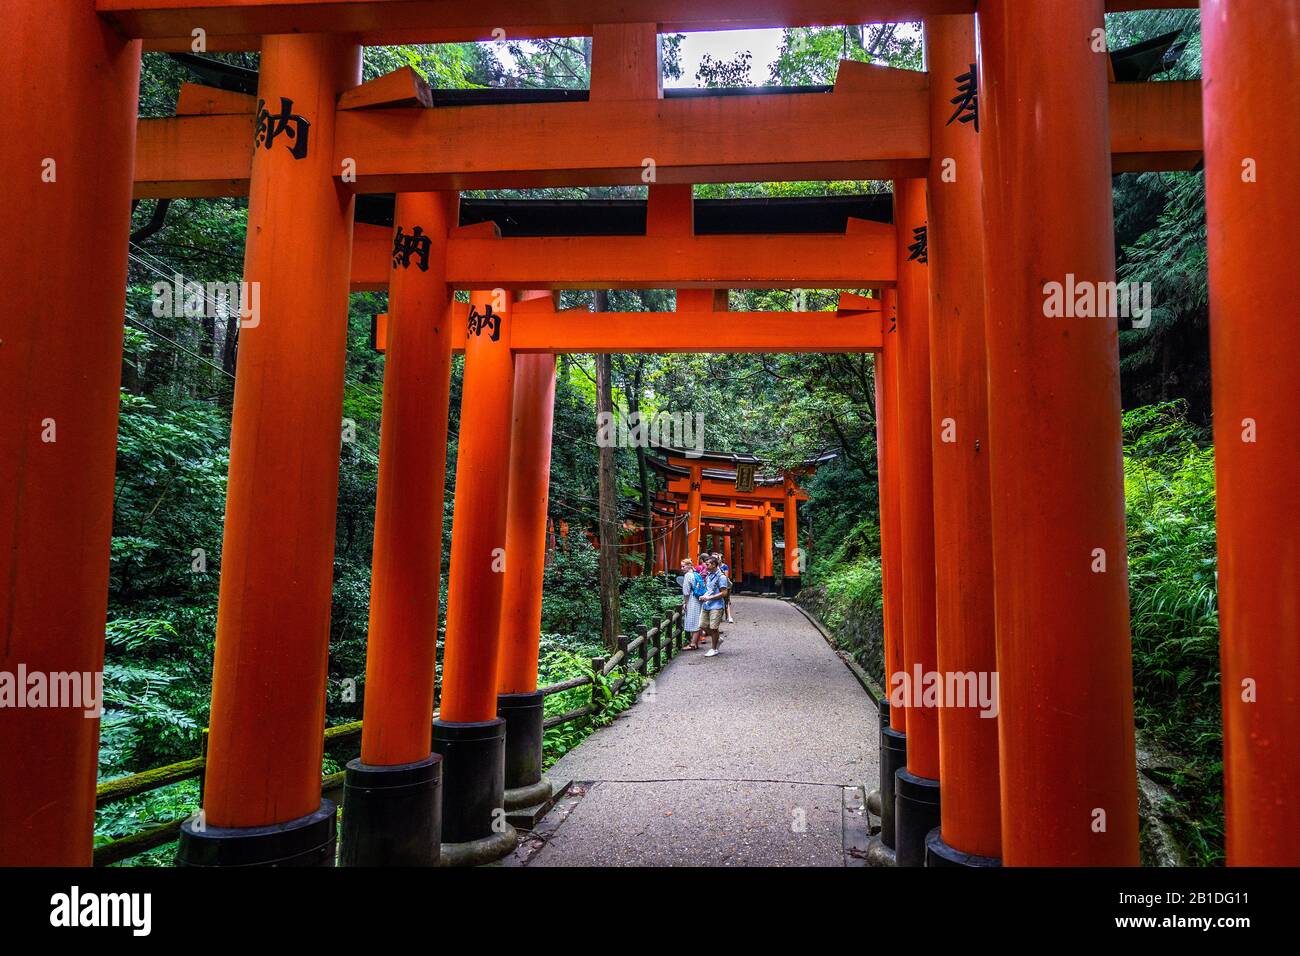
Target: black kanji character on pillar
967,100
406,245
919,251
487,319
270,125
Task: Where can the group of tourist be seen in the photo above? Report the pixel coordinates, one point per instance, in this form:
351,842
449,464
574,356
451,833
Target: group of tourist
706,600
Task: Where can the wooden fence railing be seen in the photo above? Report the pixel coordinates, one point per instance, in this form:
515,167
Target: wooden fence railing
645,654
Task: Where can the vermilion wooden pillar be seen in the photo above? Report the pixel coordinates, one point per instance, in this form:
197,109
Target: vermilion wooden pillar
694,508
392,810
790,573
891,558
277,562
518,702
407,562
68,94
917,794
1069,792
963,545
468,733
768,582
893,713
753,549
1251,145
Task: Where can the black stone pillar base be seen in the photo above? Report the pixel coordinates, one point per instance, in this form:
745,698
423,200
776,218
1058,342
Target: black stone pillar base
392,815
790,586
482,851
893,757
938,853
767,585
474,827
880,855
523,715
916,813
306,841
520,798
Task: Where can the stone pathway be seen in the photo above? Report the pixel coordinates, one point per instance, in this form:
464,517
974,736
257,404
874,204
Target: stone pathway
737,760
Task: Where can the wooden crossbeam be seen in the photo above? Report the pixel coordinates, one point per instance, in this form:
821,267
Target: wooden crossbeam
713,332
237,24
717,511
538,328
880,131
862,258
710,486
734,508
542,329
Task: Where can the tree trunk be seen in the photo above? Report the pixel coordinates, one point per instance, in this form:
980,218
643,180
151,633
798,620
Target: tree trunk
633,391
608,494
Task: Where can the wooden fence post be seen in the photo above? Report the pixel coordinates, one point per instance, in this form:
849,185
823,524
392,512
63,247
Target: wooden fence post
597,667
622,646
659,643
644,633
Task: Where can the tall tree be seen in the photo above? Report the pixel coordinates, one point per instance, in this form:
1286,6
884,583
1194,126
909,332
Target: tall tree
610,623
633,385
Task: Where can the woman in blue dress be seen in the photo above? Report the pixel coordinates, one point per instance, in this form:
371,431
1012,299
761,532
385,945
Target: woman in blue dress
691,609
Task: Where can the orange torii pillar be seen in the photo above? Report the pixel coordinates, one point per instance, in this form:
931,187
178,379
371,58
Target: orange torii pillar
1069,778
893,714
726,547
963,545
262,800
753,565
660,545
468,733
694,513
68,94
1253,203
767,573
916,789
794,558
392,808
518,702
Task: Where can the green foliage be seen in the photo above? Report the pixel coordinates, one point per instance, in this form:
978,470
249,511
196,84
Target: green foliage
716,73
570,590
1169,488
847,597
811,55
562,658
446,66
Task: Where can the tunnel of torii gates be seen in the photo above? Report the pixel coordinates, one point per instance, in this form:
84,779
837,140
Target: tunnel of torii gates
1004,547
714,509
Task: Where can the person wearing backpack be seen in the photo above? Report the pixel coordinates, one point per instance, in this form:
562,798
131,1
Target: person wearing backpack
714,603
693,588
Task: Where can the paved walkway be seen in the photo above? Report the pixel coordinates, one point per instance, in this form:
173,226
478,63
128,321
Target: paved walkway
739,759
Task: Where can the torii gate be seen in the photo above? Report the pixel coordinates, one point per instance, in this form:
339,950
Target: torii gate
1031,189
690,484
